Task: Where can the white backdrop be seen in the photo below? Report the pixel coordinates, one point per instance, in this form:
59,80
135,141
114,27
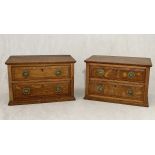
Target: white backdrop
80,47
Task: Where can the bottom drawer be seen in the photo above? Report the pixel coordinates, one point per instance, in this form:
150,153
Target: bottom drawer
116,90
41,91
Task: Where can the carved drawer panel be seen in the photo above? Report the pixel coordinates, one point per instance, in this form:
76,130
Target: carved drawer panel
40,90
117,90
40,72
117,73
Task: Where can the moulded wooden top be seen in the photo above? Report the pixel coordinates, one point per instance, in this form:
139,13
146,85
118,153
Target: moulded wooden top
120,60
41,59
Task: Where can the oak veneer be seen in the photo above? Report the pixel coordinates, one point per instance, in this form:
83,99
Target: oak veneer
40,79
118,79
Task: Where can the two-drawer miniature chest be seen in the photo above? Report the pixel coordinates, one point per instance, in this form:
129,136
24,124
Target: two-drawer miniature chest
118,79
40,79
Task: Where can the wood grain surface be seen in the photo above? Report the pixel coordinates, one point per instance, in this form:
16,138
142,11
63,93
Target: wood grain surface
40,81
118,79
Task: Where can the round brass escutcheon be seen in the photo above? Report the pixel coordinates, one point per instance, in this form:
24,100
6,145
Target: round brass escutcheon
58,72
131,75
58,89
25,73
130,92
100,72
26,91
100,88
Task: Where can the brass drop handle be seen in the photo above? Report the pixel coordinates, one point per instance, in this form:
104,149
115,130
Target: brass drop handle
100,72
58,72
131,74
58,89
100,88
27,91
130,92
25,73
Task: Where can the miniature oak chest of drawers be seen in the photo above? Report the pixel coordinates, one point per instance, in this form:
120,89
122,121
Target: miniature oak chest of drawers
40,79
118,79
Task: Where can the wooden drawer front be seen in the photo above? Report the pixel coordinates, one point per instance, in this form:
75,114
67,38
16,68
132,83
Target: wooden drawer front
40,90
117,73
124,91
57,89
39,73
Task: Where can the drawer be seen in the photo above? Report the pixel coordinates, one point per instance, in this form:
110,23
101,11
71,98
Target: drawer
33,91
40,72
116,90
117,73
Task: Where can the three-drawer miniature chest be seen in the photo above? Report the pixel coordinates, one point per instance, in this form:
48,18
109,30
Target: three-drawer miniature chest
40,79
118,79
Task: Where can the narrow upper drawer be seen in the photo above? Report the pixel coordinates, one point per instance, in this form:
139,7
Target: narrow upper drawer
121,73
23,73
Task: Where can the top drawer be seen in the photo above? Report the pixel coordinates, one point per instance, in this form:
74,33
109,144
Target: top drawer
130,74
23,73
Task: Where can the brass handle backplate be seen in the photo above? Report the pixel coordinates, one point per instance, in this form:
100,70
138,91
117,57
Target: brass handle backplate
58,72
131,74
130,92
58,89
26,91
100,72
100,88
25,73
